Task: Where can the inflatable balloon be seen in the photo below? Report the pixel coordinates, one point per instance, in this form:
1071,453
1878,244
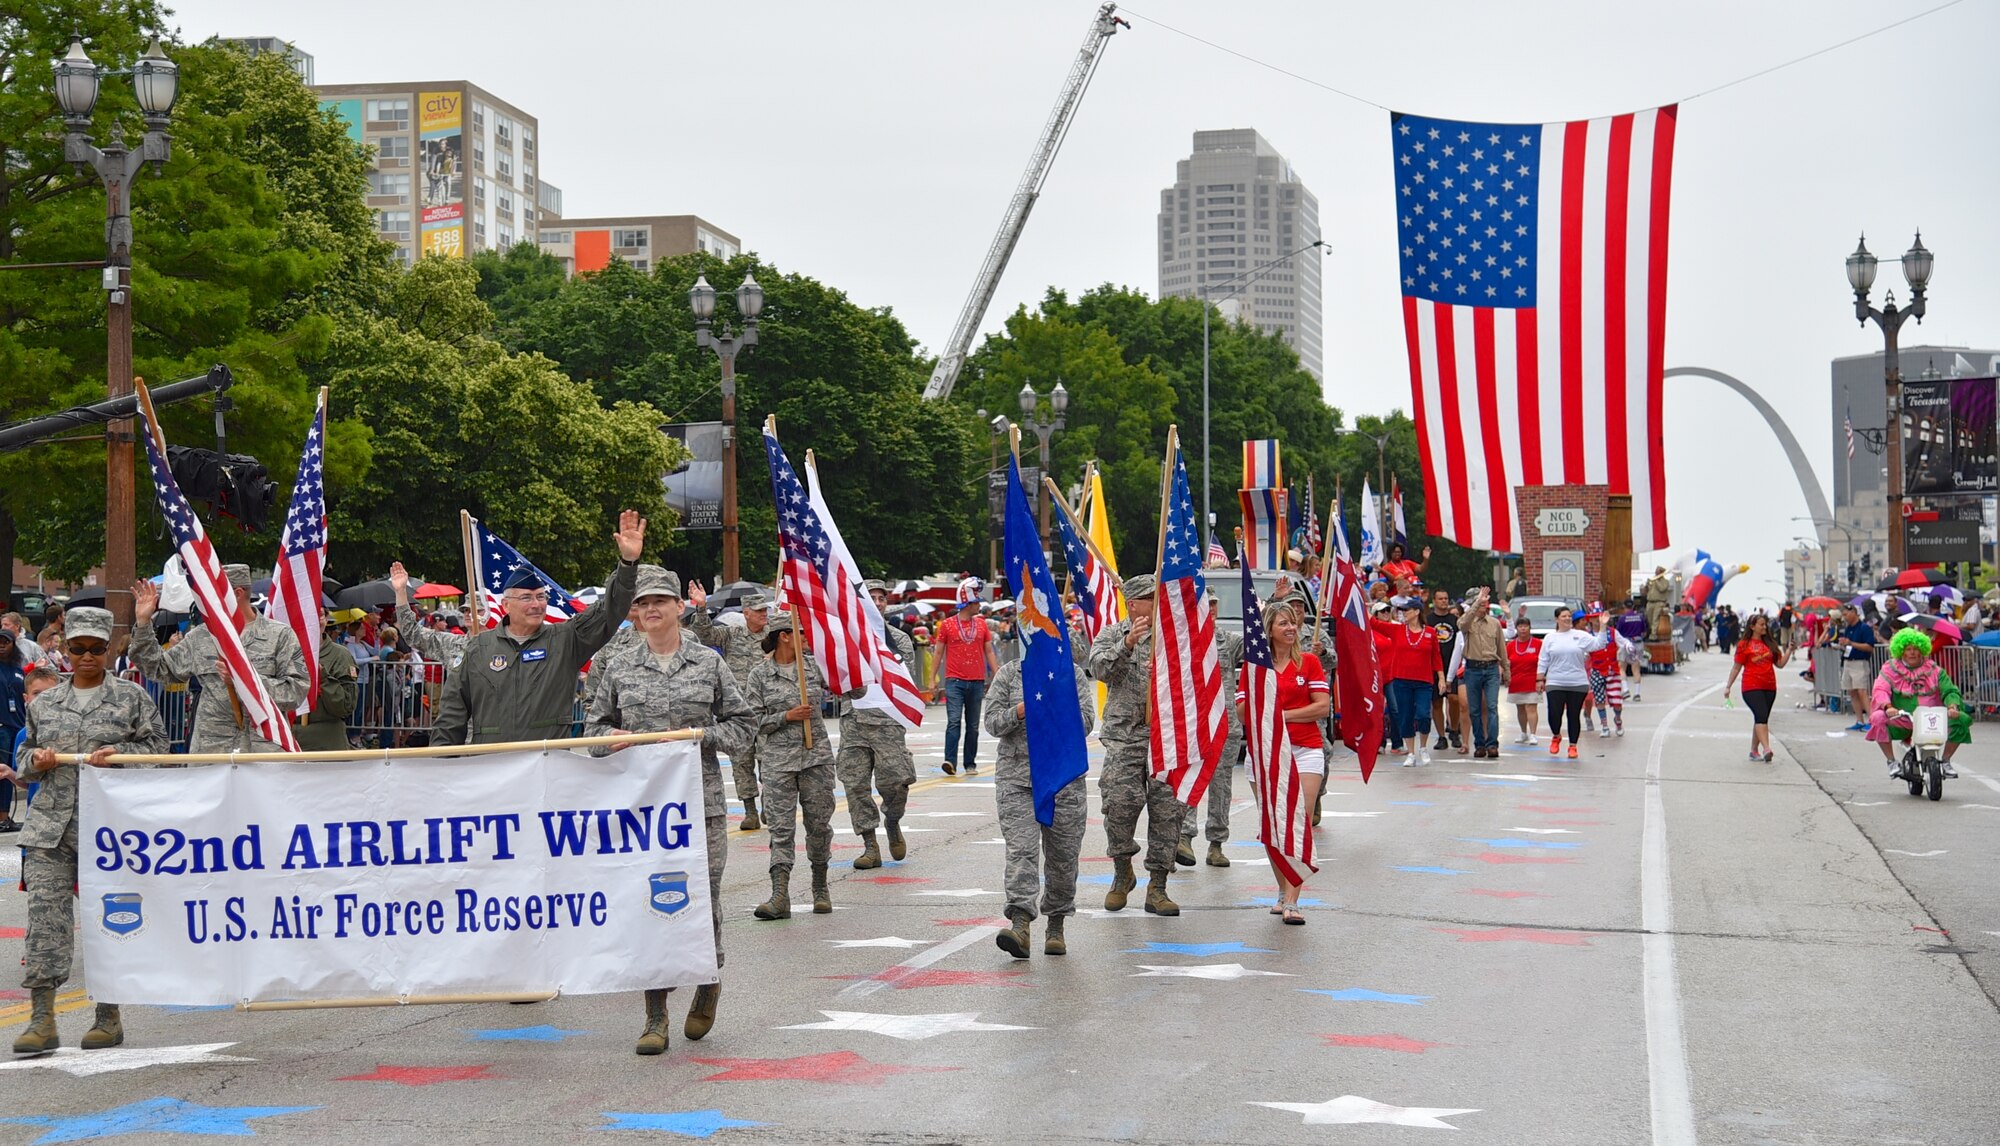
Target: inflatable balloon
1704,578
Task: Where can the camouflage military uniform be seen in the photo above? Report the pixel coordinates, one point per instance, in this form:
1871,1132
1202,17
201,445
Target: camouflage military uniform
636,692
1229,653
446,649
795,777
621,640
741,650
274,652
873,754
1126,786
325,729
123,717
1039,859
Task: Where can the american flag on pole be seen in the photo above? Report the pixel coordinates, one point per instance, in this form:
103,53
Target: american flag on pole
1400,534
1314,539
1848,421
1281,815
1188,719
1088,578
212,590
296,593
1534,284
823,601
1218,557
892,690
495,560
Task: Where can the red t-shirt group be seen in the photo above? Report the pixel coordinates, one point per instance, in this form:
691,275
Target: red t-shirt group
1411,655
964,647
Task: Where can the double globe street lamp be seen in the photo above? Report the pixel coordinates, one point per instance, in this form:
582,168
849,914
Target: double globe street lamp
1917,263
1044,427
749,304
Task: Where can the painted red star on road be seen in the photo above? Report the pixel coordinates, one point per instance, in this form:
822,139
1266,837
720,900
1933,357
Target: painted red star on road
844,1068
1382,1042
1553,811
890,879
422,1075
13,933
1497,857
1517,935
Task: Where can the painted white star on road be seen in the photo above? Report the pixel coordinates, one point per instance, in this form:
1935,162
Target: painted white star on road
903,1026
83,1064
885,941
1204,971
1349,1109
1543,831
1100,913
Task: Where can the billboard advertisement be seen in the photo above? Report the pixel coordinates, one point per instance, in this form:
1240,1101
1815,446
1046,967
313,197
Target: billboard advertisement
1949,437
349,111
694,491
441,167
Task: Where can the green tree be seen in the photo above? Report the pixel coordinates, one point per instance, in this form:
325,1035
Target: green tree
516,281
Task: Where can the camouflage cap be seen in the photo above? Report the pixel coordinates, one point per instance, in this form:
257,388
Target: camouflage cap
874,583
654,581
239,575
782,623
758,599
1140,587
86,621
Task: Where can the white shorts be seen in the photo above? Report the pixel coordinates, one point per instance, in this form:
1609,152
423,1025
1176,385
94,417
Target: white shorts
1524,698
1309,760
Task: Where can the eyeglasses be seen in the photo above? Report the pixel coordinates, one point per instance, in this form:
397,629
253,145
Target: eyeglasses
93,649
528,598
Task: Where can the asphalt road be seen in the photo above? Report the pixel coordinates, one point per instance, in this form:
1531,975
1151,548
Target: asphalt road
1797,952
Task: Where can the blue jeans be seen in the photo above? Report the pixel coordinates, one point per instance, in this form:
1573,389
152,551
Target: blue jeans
1412,706
1482,696
962,699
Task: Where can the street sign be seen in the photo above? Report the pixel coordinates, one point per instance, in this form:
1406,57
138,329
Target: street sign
1940,542
996,497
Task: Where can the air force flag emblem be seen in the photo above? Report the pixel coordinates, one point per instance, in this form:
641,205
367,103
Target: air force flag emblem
670,892
123,913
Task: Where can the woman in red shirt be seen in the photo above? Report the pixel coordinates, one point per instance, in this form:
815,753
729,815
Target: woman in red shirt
1304,699
1412,673
1524,652
1759,656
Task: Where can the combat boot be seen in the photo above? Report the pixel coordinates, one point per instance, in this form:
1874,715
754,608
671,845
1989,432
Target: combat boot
701,1013
822,898
1122,882
653,1040
1053,943
750,821
897,848
1014,940
1184,854
871,852
779,906
1215,856
40,1037
108,1031
1156,896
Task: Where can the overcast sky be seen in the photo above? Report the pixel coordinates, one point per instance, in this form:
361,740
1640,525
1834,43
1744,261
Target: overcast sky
874,145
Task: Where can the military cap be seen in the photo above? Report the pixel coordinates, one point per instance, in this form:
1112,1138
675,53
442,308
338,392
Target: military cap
86,621
523,577
654,581
755,599
782,623
1140,587
874,583
239,575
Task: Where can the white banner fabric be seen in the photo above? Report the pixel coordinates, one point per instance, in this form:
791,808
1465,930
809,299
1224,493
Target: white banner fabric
528,872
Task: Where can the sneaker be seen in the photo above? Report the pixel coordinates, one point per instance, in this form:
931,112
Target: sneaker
1408,761
1950,773
1895,770
1423,755
1756,755
972,769
950,769
1604,733
1443,741
1621,728
1857,726
1555,745
1572,752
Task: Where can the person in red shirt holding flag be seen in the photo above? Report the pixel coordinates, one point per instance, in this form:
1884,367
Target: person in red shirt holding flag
1304,699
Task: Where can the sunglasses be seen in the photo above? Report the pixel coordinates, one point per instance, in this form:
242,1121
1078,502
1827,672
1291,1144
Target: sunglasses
93,649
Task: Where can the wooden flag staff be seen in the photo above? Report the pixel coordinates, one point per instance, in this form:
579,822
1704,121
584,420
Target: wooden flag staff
1325,565
799,647
474,590
624,738
1160,559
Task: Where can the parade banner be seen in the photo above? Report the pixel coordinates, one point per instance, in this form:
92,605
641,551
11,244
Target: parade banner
521,872
1949,437
694,488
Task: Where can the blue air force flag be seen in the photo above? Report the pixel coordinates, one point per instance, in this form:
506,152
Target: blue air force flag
1056,752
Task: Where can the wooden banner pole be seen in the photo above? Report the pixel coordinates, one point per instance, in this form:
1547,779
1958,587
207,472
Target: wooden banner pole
401,1001
393,753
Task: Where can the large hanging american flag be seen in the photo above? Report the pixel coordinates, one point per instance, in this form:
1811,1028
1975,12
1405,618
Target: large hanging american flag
212,590
1282,824
1188,720
892,689
494,561
1534,283
822,600
296,586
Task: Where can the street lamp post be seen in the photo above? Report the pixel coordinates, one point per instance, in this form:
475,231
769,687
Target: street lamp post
1246,277
1381,456
155,80
1846,534
1861,276
999,425
749,304
1044,428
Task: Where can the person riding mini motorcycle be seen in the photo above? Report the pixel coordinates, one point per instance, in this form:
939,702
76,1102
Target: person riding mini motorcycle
1910,679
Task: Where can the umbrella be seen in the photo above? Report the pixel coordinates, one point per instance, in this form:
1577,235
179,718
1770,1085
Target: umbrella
367,595
434,589
1913,579
1819,603
1947,594
261,588
733,594
1940,626
907,587
1883,603
1987,640
93,595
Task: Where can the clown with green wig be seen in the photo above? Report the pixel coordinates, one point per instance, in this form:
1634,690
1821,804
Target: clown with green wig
1909,680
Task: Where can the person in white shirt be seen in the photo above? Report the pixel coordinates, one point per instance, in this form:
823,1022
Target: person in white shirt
1563,673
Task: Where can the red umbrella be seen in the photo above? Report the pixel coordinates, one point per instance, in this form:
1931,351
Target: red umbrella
1821,603
1913,579
1940,626
431,590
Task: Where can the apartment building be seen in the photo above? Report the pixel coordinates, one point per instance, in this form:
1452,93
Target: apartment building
641,240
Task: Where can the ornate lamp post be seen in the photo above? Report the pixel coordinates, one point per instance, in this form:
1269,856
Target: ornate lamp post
749,304
1917,263
1044,428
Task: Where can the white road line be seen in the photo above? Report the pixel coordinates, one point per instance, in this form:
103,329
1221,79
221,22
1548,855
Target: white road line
942,951
1666,1043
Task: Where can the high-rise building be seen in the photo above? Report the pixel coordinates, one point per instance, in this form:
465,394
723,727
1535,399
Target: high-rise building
455,167
642,240
301,62
1235,205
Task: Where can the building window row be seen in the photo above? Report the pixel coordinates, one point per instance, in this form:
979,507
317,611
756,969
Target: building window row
395,111
630,239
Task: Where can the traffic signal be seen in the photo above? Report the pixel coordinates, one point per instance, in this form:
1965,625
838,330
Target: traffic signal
237,485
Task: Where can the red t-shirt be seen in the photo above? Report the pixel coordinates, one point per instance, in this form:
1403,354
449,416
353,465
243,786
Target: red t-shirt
1522,657
1410,655
964,647
1758,672
1300,683
1406,569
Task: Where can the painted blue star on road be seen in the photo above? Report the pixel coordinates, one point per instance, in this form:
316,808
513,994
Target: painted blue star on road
685,1123
1424,870
1364,995
1519,843
540,1034
1272,901
1197,950
154,1116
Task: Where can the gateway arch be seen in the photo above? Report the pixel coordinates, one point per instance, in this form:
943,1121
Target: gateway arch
1801,468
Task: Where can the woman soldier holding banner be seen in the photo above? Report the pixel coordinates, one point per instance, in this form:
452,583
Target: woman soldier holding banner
660,684
92,713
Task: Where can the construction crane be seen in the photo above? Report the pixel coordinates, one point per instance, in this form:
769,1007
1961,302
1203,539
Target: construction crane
1102,28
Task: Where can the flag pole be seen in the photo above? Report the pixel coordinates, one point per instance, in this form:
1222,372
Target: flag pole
1160,553
473,588
1075,520
799,645
1325,568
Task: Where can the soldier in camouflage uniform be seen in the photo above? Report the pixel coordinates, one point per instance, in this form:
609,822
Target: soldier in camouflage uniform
1229,655
625,638
1121,659
796,778
90,713
446,649
273,650
873,755
662,681
1038,858
325,728
741,649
